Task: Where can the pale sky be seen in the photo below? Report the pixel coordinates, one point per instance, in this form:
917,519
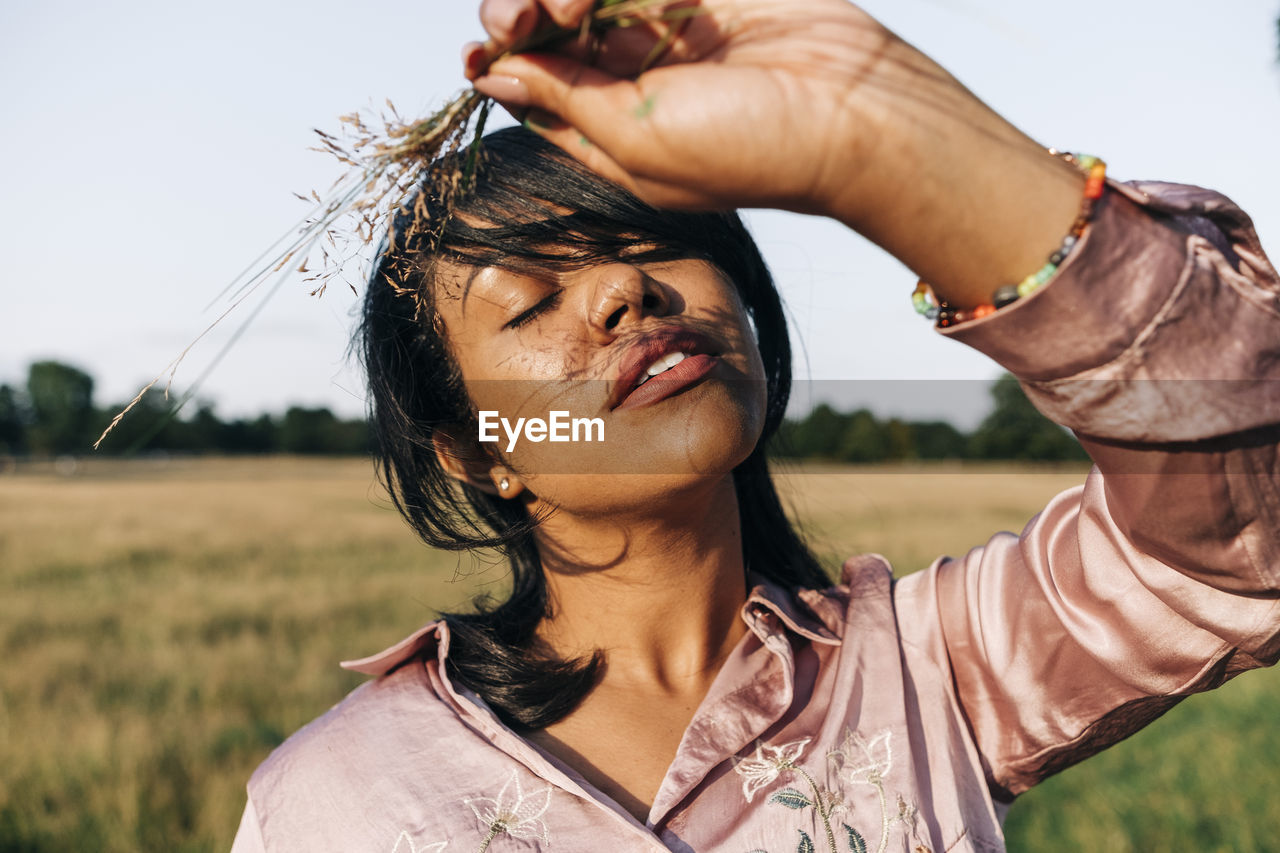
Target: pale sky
151,150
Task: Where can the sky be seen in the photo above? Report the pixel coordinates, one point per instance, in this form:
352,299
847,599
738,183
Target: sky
152,150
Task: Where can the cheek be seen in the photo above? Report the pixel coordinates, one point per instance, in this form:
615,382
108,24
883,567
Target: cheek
525,383
517,360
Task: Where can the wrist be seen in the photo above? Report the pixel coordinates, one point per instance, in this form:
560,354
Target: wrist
928,304
950,188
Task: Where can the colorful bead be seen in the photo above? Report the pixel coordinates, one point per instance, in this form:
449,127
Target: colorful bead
982,311
923,301
1004,295
1097,180
920,299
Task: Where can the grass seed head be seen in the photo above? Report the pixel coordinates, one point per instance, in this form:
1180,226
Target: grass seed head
393,166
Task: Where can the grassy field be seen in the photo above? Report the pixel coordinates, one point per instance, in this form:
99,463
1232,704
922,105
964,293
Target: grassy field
165,624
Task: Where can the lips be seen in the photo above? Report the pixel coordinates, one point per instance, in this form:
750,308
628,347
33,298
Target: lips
636,387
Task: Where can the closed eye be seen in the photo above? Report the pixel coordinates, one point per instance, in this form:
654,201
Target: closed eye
527,316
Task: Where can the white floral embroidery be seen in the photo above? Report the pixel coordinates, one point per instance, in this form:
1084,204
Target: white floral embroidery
513,812
769,761
864,761
857,761
867,762
907,814
404,844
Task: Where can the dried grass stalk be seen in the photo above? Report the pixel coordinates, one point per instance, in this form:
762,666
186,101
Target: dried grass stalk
385,167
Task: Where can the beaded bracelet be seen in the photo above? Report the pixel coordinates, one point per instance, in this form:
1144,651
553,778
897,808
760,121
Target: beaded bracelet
929,306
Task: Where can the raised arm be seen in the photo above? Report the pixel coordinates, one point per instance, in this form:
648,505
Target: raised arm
1159,344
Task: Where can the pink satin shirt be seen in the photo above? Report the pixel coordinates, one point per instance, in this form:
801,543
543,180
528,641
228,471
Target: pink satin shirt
905,714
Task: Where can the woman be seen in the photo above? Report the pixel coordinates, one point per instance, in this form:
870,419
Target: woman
670,672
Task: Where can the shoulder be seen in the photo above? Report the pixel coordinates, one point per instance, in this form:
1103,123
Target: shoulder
354,772
357,733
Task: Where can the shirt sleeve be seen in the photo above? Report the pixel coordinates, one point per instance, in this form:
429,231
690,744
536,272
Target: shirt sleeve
1158,343
249,835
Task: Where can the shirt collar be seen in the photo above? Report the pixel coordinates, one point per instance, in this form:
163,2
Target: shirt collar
427,639
809,613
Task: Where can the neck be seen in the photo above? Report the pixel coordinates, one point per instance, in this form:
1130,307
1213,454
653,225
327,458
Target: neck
659,594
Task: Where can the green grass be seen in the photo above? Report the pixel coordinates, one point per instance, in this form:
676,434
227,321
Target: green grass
1205,777
163,626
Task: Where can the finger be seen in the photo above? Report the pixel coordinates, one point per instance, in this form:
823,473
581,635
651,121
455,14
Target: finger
508,21
634,174
595,158
575,143
568,13
475,59
607,109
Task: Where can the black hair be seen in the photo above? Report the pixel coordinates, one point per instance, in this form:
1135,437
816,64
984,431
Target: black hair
514,216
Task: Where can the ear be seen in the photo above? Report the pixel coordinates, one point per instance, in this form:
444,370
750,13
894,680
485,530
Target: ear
462,458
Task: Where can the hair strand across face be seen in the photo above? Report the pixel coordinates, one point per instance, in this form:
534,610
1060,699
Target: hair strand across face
533,206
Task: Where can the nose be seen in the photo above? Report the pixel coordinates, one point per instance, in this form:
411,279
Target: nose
623,295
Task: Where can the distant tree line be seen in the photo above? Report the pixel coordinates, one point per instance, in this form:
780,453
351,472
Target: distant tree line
1013,430
55,414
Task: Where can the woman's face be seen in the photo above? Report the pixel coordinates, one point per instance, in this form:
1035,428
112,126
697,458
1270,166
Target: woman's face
654,366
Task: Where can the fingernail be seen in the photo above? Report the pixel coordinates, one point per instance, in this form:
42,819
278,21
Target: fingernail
472,59
506,90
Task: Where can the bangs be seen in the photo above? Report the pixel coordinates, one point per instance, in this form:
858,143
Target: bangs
559,214
533,206
558,242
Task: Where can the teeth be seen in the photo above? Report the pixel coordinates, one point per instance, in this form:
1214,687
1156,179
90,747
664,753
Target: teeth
663,364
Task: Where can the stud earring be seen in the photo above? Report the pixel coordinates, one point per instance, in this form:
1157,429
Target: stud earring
504,484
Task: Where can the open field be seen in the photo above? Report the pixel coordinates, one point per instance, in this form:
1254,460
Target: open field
164,625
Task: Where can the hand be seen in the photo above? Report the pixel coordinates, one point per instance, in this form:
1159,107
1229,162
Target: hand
807,105
746,103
